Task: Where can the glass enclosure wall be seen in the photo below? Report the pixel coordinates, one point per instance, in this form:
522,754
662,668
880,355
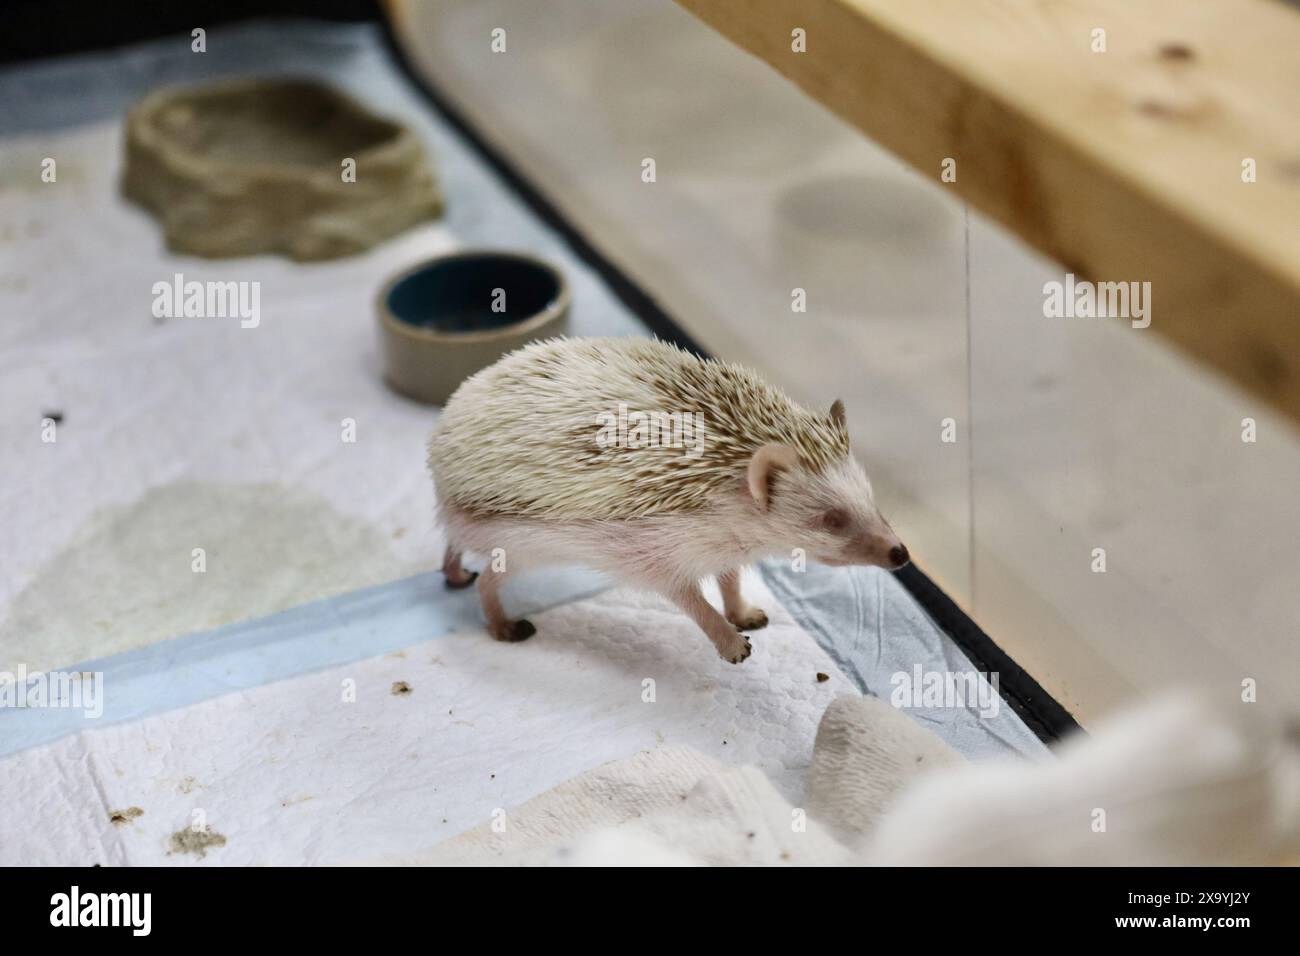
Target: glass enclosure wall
1135,516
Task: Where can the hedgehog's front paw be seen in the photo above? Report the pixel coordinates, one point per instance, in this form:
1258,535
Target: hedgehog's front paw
514,631
751,619
735,651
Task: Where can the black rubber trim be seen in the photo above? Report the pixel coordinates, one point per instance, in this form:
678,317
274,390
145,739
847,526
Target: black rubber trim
1040,712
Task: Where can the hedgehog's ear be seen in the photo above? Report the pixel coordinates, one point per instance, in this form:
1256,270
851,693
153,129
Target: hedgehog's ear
837,413
765,463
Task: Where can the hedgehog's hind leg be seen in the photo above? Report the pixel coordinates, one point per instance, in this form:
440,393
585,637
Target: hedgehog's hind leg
501,627
738,611
453,571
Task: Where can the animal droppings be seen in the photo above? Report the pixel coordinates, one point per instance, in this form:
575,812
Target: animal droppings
194,841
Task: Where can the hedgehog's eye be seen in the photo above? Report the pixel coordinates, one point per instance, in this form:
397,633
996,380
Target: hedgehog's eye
834,519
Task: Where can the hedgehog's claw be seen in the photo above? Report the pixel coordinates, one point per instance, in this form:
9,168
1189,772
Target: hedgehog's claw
455,584
739,656
515,631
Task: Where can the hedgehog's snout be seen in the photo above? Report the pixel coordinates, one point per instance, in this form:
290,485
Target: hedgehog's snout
898,555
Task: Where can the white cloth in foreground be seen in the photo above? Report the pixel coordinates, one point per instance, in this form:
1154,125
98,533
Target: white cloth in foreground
1176,782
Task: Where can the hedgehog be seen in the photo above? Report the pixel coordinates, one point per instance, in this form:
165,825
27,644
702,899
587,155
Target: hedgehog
636,458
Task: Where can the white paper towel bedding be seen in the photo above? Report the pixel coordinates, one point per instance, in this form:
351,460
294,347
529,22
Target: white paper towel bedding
885,791
668,807
290,772
675,806
183,671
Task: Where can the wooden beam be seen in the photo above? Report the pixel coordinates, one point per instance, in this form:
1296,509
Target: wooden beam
1123,165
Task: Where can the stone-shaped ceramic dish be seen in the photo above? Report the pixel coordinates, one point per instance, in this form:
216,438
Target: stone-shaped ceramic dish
261,166
446,318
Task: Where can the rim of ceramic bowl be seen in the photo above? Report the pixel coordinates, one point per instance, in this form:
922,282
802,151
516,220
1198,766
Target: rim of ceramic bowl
558,305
